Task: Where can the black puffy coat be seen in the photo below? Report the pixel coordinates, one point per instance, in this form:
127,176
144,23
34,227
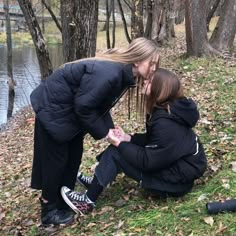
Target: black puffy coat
168,154
78,97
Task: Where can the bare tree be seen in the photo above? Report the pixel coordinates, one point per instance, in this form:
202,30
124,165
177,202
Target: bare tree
224,33
10,80
45,64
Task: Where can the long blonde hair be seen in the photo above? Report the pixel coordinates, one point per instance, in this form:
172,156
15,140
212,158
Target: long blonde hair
140,49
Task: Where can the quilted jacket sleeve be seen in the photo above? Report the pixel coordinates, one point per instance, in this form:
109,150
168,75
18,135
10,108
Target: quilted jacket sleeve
159,153
89,102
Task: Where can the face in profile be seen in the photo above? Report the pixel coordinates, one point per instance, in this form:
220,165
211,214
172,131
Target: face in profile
147,68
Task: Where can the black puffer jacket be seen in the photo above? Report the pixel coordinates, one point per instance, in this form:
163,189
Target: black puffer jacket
168,154
78,97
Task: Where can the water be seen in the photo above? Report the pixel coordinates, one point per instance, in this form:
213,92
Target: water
26,75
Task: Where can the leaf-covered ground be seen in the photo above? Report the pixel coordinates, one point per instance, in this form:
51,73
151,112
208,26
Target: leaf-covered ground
123,209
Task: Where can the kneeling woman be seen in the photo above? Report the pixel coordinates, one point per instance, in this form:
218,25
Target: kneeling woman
165,160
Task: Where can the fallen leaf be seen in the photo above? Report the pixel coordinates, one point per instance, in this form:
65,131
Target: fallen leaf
233,165
221,228
119,224
105,209
2,215
209,220
202,197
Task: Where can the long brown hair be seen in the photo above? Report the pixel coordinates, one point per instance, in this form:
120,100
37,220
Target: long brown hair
165,88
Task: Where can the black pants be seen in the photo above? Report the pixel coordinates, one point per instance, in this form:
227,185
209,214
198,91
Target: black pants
111,164
54,164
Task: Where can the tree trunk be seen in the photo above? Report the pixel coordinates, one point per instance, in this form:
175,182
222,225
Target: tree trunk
180,11
148,27
45,64
224,33
11,82
137,29
157,19
113,25
170,19
211,11
69,36
79,28
196,31
87,21
163,20
108,14
124,22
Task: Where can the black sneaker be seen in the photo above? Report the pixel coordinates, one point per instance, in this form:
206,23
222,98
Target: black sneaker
84,180
78,202
50,215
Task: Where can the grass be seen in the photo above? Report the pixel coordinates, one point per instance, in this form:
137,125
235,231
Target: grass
124,209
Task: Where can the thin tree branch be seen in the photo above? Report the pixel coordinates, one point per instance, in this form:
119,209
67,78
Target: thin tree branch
52,15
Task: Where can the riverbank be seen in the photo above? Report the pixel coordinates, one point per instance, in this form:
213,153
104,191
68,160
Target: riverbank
17,119
123,209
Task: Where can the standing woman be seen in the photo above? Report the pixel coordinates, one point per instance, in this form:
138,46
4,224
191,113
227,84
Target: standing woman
73,101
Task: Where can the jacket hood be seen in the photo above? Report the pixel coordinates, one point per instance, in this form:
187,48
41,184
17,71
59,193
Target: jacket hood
185,111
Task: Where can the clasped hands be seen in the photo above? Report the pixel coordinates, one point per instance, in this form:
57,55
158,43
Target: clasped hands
117,135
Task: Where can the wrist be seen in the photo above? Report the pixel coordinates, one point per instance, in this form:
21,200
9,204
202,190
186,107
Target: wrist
128,138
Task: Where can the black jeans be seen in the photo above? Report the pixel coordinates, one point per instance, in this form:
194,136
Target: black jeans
54,164
110,164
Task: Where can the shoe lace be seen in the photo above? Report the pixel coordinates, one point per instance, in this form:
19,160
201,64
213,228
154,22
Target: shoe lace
77,196
86,179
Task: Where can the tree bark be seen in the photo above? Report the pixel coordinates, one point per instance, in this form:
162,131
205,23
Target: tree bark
196,30
180,11
148,27
108,14
114,24
10,79
211,11
79,28
223,35
45,64
163,20
157,19
137,29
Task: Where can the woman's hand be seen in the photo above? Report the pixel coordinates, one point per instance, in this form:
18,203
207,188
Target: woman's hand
117,135
123,137
112,138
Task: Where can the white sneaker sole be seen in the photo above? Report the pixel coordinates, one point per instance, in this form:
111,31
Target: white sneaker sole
68,202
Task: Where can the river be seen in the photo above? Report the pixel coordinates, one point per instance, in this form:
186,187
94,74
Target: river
25,73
